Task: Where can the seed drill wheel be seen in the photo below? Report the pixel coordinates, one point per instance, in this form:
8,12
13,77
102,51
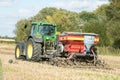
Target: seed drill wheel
92,59
17,52
33,50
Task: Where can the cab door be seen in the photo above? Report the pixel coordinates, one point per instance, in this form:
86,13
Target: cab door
34,29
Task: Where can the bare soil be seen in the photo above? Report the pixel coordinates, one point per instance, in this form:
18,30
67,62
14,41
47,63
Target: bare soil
25,70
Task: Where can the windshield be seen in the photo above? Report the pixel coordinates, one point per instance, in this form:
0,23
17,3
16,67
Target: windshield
46,29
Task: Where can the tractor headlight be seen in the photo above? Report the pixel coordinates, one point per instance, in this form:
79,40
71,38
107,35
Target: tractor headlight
47,38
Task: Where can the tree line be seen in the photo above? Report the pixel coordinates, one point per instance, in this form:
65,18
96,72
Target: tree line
105,21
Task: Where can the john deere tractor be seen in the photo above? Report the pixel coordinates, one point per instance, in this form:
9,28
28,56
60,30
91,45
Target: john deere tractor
39,44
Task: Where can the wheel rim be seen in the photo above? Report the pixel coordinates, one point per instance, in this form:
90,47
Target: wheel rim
60,48
18,52
30,51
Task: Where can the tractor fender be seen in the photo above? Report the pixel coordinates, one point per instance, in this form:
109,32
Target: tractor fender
39,40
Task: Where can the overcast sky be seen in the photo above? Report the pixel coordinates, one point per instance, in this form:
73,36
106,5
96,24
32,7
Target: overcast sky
13,10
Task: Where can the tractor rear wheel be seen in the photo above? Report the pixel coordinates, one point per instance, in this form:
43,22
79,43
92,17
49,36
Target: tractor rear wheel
33,50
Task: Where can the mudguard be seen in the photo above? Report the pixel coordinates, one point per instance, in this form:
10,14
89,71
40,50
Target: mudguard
40,40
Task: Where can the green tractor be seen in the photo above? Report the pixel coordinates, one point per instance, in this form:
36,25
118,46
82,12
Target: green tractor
39,44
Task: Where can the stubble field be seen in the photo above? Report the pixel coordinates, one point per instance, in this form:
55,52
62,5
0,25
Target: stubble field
24,70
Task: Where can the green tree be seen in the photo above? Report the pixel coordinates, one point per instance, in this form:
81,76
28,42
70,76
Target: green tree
41,16
87,16
113,24
113,10
20,31
66,20
101,11
98,26
74,21
62,21
113,31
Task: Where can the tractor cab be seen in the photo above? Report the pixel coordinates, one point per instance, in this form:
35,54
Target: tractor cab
47,29
43,30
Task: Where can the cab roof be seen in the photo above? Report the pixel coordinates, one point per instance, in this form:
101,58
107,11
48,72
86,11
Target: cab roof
43,23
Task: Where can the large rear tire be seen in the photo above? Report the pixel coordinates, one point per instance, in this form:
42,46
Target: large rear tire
33,50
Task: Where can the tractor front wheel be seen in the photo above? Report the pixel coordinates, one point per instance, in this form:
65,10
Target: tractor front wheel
33,50
19,50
